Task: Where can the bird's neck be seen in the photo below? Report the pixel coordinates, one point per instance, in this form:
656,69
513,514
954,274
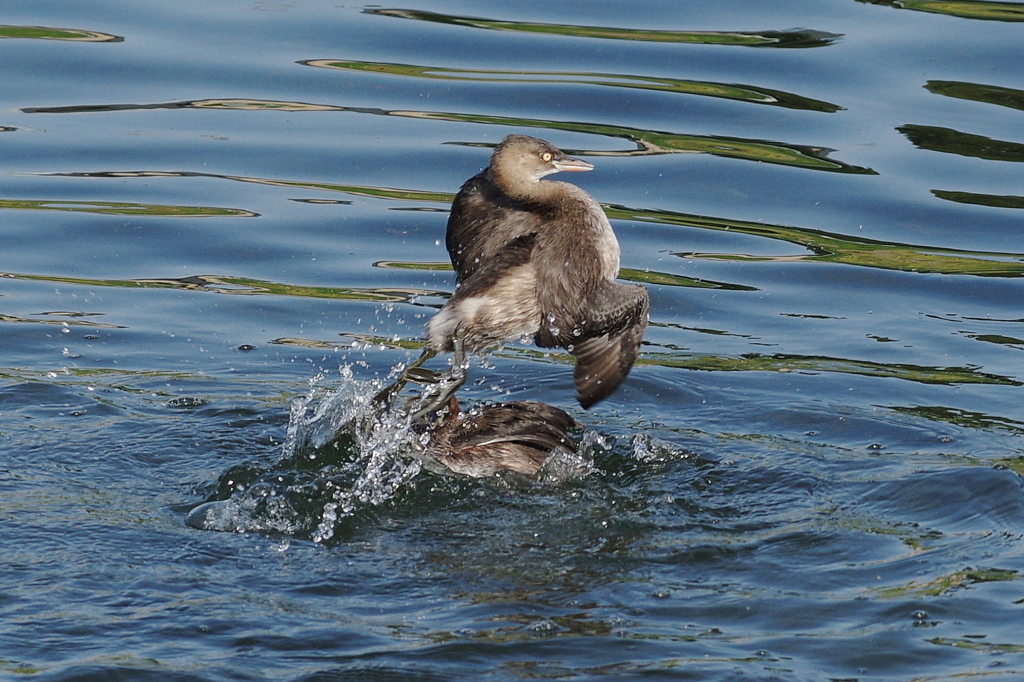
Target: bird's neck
528,190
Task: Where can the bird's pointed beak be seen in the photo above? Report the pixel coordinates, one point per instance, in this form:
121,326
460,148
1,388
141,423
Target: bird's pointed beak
569,164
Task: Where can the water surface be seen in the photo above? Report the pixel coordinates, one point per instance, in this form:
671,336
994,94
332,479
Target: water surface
218,219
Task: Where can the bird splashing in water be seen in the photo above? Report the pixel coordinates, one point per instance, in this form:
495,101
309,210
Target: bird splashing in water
534,258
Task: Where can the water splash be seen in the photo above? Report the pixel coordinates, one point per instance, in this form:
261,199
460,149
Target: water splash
565,465
346,452
341,454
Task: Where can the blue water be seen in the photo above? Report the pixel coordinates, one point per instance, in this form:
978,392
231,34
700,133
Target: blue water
219,218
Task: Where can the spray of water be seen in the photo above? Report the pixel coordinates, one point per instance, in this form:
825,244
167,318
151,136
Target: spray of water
347,450
341,453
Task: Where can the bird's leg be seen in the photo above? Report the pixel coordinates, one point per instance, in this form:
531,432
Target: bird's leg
413,372
438,395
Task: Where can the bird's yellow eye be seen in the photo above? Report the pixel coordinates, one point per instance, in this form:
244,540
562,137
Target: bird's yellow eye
546,156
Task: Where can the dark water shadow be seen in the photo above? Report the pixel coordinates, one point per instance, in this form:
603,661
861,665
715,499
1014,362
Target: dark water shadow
792,38
964,418
748,362
999,340
66,318
353,190
239,286
654,142
675,359
824,246
628,274
646,142
245,286
817,364
751,94
123,208
978,92
976,199
836,248
48,33
964,9
228,104
949,141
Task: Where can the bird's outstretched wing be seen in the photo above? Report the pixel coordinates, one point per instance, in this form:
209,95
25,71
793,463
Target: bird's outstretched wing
610,340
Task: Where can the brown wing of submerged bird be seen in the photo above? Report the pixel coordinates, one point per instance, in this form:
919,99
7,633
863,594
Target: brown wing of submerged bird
517,436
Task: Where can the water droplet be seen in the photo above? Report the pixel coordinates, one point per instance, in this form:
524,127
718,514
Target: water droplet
552,327
545,627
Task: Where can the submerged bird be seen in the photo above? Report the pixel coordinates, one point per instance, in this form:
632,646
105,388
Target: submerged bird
519,437
537,258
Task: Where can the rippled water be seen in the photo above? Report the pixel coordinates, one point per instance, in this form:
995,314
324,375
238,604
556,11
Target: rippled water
222,229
